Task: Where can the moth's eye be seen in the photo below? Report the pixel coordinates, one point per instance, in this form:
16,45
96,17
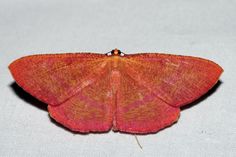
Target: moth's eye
109,54
122,54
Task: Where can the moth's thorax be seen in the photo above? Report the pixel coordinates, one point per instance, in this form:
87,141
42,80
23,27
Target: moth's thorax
115,62
115,79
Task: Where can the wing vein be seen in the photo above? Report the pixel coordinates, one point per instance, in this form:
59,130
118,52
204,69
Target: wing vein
145,86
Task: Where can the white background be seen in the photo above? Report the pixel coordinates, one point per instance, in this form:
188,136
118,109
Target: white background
202,28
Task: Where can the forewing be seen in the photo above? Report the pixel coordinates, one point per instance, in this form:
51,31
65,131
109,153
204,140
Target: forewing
176,80
55,78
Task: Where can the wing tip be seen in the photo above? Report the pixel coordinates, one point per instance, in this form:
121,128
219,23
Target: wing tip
13,65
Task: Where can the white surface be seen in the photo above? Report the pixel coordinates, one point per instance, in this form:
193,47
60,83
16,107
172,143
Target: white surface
201,28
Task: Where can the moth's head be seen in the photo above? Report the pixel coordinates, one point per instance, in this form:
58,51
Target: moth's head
115,52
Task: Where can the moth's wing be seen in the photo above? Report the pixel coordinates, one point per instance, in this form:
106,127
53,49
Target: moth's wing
90,110
55,78
139,110
176,80
154,86
74,86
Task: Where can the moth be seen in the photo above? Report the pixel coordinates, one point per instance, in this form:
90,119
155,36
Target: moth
133,93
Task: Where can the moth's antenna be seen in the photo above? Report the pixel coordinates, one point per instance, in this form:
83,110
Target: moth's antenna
136,138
